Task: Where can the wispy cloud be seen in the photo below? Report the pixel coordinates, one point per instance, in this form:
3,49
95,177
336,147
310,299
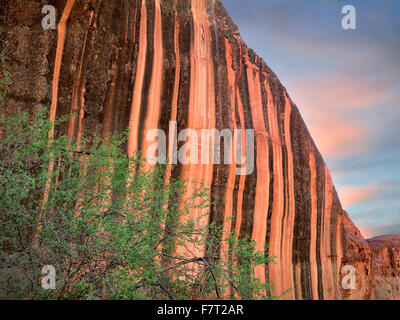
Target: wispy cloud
369,231
350,195
335,90
338,108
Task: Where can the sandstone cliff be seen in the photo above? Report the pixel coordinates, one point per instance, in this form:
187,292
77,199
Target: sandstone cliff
141,64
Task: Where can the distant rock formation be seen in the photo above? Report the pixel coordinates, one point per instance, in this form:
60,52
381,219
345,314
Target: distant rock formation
386,252
358,254
140,64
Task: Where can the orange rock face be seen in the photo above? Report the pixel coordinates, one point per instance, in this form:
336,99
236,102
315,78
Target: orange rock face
140,64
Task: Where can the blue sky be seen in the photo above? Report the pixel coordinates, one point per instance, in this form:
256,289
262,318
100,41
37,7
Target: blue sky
346,84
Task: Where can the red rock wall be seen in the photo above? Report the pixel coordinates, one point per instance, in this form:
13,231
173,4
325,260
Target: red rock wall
141,64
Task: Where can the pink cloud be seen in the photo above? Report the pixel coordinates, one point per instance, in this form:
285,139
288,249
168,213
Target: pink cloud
336,135
340,90
350,195
332,108
367,232
377,229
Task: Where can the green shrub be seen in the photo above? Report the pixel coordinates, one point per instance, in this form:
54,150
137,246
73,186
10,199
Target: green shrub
111,228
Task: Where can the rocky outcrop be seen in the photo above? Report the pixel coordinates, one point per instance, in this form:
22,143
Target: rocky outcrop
386,251
358,255
140,64
376,262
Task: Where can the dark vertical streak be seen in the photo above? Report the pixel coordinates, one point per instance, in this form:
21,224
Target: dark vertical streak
150,7
251,180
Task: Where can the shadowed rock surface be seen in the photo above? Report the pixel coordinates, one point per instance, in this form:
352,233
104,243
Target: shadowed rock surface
141,64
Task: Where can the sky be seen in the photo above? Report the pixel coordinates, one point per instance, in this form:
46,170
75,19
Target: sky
346,84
